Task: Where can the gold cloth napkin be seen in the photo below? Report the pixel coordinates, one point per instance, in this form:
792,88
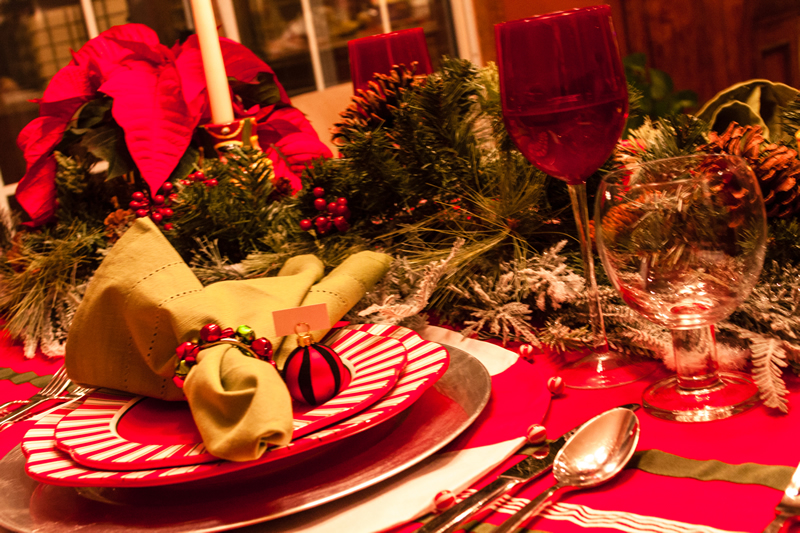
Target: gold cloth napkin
143,301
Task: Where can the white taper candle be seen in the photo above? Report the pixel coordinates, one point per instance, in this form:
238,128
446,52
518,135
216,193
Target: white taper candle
213,65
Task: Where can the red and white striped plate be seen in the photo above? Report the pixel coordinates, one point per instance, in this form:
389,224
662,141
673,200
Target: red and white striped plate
114,432
427,362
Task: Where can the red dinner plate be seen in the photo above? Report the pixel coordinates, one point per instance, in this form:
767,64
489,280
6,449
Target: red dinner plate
426,363
111,431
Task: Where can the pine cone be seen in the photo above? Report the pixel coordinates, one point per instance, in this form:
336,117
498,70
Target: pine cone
374,106
117,223
776,167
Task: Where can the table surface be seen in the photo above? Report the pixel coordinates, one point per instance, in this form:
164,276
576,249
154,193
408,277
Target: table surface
725,475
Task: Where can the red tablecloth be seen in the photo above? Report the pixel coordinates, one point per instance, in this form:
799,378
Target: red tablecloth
762,436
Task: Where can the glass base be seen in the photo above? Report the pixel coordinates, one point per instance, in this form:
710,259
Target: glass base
734,394
604,370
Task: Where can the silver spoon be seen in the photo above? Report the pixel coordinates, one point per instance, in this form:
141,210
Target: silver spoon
595,454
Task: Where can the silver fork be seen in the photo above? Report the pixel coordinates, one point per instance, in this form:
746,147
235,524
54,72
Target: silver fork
788,509
55,387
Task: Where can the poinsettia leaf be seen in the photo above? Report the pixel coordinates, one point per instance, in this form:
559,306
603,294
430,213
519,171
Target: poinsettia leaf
282,170
36,191
300,149
111,50
108,143
38,194
72,81
149,106
189,63
274,123
290,142
263,92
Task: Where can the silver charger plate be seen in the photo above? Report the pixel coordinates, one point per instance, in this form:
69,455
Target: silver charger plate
253,496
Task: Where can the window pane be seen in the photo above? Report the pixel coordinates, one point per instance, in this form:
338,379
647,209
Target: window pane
275,31
166,17
341,21
110,13
35,42
431,15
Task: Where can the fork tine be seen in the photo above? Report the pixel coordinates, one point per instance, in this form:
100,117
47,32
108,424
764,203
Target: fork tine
57,383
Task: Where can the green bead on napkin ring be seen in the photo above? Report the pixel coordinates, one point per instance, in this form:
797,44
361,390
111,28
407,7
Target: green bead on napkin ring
244,338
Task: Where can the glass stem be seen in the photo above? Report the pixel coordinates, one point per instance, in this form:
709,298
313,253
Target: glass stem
696,358
577,194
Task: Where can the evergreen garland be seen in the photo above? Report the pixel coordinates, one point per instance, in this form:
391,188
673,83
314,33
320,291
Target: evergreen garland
429,174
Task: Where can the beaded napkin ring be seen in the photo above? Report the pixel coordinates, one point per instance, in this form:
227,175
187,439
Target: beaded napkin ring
244,338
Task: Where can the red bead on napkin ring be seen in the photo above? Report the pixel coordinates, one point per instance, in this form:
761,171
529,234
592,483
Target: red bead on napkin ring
243,338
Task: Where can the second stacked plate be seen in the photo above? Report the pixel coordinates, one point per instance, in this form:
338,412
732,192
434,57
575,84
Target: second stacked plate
114,439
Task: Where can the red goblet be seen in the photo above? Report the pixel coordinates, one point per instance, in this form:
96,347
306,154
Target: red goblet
377,54
565,102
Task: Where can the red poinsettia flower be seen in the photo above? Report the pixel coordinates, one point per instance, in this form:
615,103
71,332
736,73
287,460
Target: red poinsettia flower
159,98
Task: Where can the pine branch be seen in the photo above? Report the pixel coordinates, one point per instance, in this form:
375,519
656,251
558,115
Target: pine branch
790,121
671,136
562,338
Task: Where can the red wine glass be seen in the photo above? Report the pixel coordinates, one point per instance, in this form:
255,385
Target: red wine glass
565,103
377,54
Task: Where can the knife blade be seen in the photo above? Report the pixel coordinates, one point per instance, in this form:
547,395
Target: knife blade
789,506
526,470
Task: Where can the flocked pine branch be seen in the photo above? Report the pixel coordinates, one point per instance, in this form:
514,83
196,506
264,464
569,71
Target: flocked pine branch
500,305
769,355
549,279
769,358
209,265
394,308
498,315
774,304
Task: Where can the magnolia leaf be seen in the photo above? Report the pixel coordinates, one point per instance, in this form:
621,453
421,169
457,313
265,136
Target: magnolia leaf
661,84
244,65
741,113
93,113
685,99
186,165
764,98
264,92
107,143
635,60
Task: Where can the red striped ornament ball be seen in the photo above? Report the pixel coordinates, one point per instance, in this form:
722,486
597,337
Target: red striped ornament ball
314,374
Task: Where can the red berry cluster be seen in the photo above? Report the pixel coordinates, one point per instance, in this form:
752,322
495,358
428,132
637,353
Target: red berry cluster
211,334
332,214
157,208
199,176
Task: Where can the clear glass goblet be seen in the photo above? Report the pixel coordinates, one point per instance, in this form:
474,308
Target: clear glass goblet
683,242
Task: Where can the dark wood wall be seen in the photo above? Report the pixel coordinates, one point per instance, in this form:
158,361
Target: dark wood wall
704,45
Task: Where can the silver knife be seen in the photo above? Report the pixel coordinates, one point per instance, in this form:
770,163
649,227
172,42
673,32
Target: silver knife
529,468
789,505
